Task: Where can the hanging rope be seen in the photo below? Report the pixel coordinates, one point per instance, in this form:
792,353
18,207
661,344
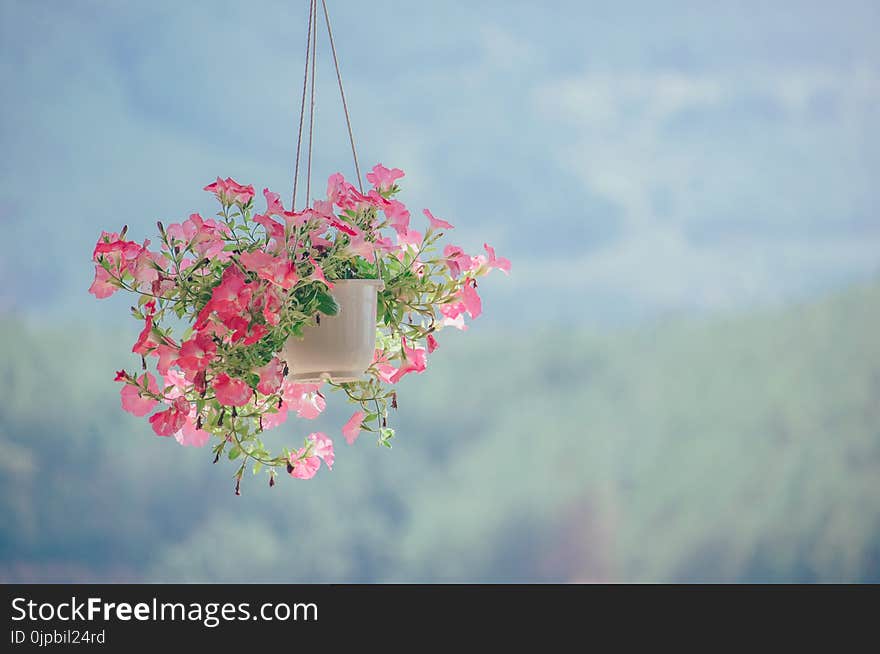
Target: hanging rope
309,86
302,108
357,167
314,20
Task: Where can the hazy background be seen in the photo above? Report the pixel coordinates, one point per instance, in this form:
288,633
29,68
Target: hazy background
680,381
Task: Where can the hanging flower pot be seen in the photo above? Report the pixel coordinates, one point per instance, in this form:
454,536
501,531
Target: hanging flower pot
278,302
338,347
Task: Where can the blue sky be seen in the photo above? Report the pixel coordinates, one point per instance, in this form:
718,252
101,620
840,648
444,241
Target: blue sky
631,158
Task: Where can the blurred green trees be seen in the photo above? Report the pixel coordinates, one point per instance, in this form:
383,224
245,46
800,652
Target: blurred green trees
741,449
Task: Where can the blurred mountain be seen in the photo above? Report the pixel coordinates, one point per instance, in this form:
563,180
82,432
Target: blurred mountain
736,449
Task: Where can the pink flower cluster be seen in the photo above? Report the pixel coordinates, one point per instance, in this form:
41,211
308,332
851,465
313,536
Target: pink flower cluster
236,281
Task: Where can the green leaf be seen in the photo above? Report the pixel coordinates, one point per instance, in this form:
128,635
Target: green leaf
234,453
385,436
327,303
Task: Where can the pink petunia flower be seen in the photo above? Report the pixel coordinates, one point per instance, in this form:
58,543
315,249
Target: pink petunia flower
416,361
102,286
134,402
190,435
205,237
229,299
457,322
471,299
167,355
273,203
271,376
272,420
384,369
282,273
352,429
303,467
456,260
501,263
257,260
452,310
270,306
273,227
245,331
397,213
344,195
228,191
306,399
146,268
231,391
311,405
177,381
409,239
360,246
105,237
377,200
145,341
170,421
436,223
197,353
323,448
382,178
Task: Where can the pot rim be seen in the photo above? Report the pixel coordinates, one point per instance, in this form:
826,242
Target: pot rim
370,282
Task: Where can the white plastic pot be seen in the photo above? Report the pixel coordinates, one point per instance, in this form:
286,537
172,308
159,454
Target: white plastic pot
341,347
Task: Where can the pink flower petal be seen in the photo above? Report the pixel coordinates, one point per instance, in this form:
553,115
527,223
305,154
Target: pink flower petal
102,286
382,178
323,448
471,299
436,223
271,376
303,468
352,429
230,391
133,402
